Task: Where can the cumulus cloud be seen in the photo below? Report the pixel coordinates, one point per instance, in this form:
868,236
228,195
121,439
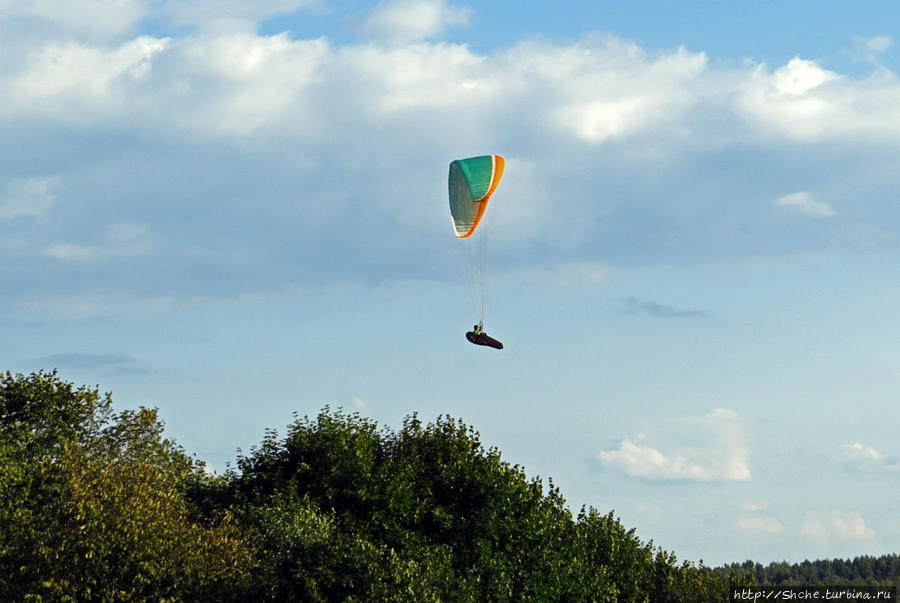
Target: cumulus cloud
404,21
715,451
247,134
804,203
596,90
804,101
799,77
638,460
793,99
235,83
81,84
838,526
611,89
867,458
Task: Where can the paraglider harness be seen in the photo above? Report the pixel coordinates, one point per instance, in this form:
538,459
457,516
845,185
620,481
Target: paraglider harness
479,337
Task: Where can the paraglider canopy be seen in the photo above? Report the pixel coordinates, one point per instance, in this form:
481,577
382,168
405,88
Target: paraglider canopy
472,182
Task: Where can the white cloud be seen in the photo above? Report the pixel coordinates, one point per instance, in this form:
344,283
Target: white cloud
592,130
404,21
716,451
615,90
805,203
793,99
861,456
249,84
421,76
803,101
235,83
647,462
760,524
91,18
799,77
848,526
360,404
81,84
30,197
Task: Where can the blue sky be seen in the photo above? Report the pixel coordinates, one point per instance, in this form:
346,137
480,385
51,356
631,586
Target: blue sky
234,212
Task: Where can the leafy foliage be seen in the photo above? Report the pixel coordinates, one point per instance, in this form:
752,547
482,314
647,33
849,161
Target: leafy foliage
98,505
92,504
350,512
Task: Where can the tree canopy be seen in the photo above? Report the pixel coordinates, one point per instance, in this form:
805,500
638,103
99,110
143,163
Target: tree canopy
99,505
93,504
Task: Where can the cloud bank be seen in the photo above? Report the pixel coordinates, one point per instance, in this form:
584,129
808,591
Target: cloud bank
269,161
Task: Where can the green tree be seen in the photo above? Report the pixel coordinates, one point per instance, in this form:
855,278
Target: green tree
98,505
92,504
427,513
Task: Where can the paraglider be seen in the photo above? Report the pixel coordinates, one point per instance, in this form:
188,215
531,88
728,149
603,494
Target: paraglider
472,181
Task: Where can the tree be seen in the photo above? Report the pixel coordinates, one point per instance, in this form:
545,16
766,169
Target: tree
347,511
92,504
98,505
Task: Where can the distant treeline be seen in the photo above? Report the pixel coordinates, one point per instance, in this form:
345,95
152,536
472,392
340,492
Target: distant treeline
97,505
859,571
